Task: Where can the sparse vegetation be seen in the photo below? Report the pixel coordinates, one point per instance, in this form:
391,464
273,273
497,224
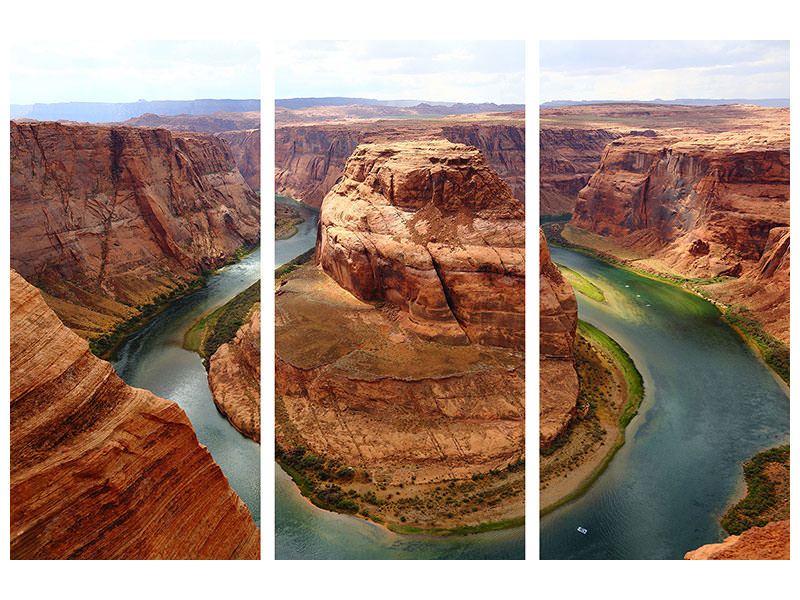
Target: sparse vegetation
294,264
581,284
774,352
767,492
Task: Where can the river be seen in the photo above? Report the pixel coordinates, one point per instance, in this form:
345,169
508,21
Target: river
153,358
710,404
303,531
303,240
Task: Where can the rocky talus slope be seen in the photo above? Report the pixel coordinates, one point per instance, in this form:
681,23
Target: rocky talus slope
100,470
234,376
558,321
401,352
309,159
105,218
770,542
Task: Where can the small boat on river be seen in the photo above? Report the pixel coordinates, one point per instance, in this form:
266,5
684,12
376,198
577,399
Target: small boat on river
583,530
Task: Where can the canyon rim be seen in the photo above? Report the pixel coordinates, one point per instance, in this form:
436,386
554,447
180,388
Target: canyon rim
124,234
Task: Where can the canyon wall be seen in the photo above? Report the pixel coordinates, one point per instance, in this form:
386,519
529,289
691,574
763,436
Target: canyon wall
100,470
567,159
310,159
430,228
106,218
234,376
558,322
246,146
703,207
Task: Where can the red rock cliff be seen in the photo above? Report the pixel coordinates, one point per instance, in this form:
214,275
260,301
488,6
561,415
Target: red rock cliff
106,218
429,227
100,470
234,376
310,159
770,542
703,206
558,321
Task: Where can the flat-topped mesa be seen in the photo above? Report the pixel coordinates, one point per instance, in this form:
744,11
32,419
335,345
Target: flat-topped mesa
101,470
558,321
106,218
429,227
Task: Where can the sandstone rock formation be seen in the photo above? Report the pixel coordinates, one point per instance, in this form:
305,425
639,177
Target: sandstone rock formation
401,353
770,542
100,470
429,228
106,218
558,321
704,207
310,158
246,146
234,376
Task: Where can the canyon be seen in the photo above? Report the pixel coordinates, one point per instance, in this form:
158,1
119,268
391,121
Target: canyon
399,351
101,470
691,192
558,322
310,152
770,542
106,219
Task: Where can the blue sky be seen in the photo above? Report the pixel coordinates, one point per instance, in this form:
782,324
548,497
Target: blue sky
127,71
448,71
645,70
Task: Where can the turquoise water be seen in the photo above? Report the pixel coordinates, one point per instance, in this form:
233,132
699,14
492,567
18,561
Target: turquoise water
710,404
303,531
153,358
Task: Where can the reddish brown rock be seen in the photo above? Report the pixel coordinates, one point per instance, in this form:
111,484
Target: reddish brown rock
234,376
428,227
100,470
107,218
770,542
558,321
246,146
310,158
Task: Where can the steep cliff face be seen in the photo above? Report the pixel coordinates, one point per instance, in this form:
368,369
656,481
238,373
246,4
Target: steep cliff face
431,229
310,159
402,352
100,470
558,321
567,159
246,146
106,218
702,207
234,376
770,542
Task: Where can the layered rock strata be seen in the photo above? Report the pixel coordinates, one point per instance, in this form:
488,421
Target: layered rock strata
234,376
558,321
401,352
106,218
770,542
100,470
309,159
431,229
706,207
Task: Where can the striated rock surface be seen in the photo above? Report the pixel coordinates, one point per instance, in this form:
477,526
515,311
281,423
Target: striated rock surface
100,470
558,321
428,227
567,159
234,376
770,542
106,218
246,146
702,207
310,158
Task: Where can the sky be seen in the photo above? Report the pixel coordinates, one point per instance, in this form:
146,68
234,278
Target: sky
646,70
437,71
127,71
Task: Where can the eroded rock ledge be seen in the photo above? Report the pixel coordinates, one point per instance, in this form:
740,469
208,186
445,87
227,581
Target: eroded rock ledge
428,227
770,542
101,470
